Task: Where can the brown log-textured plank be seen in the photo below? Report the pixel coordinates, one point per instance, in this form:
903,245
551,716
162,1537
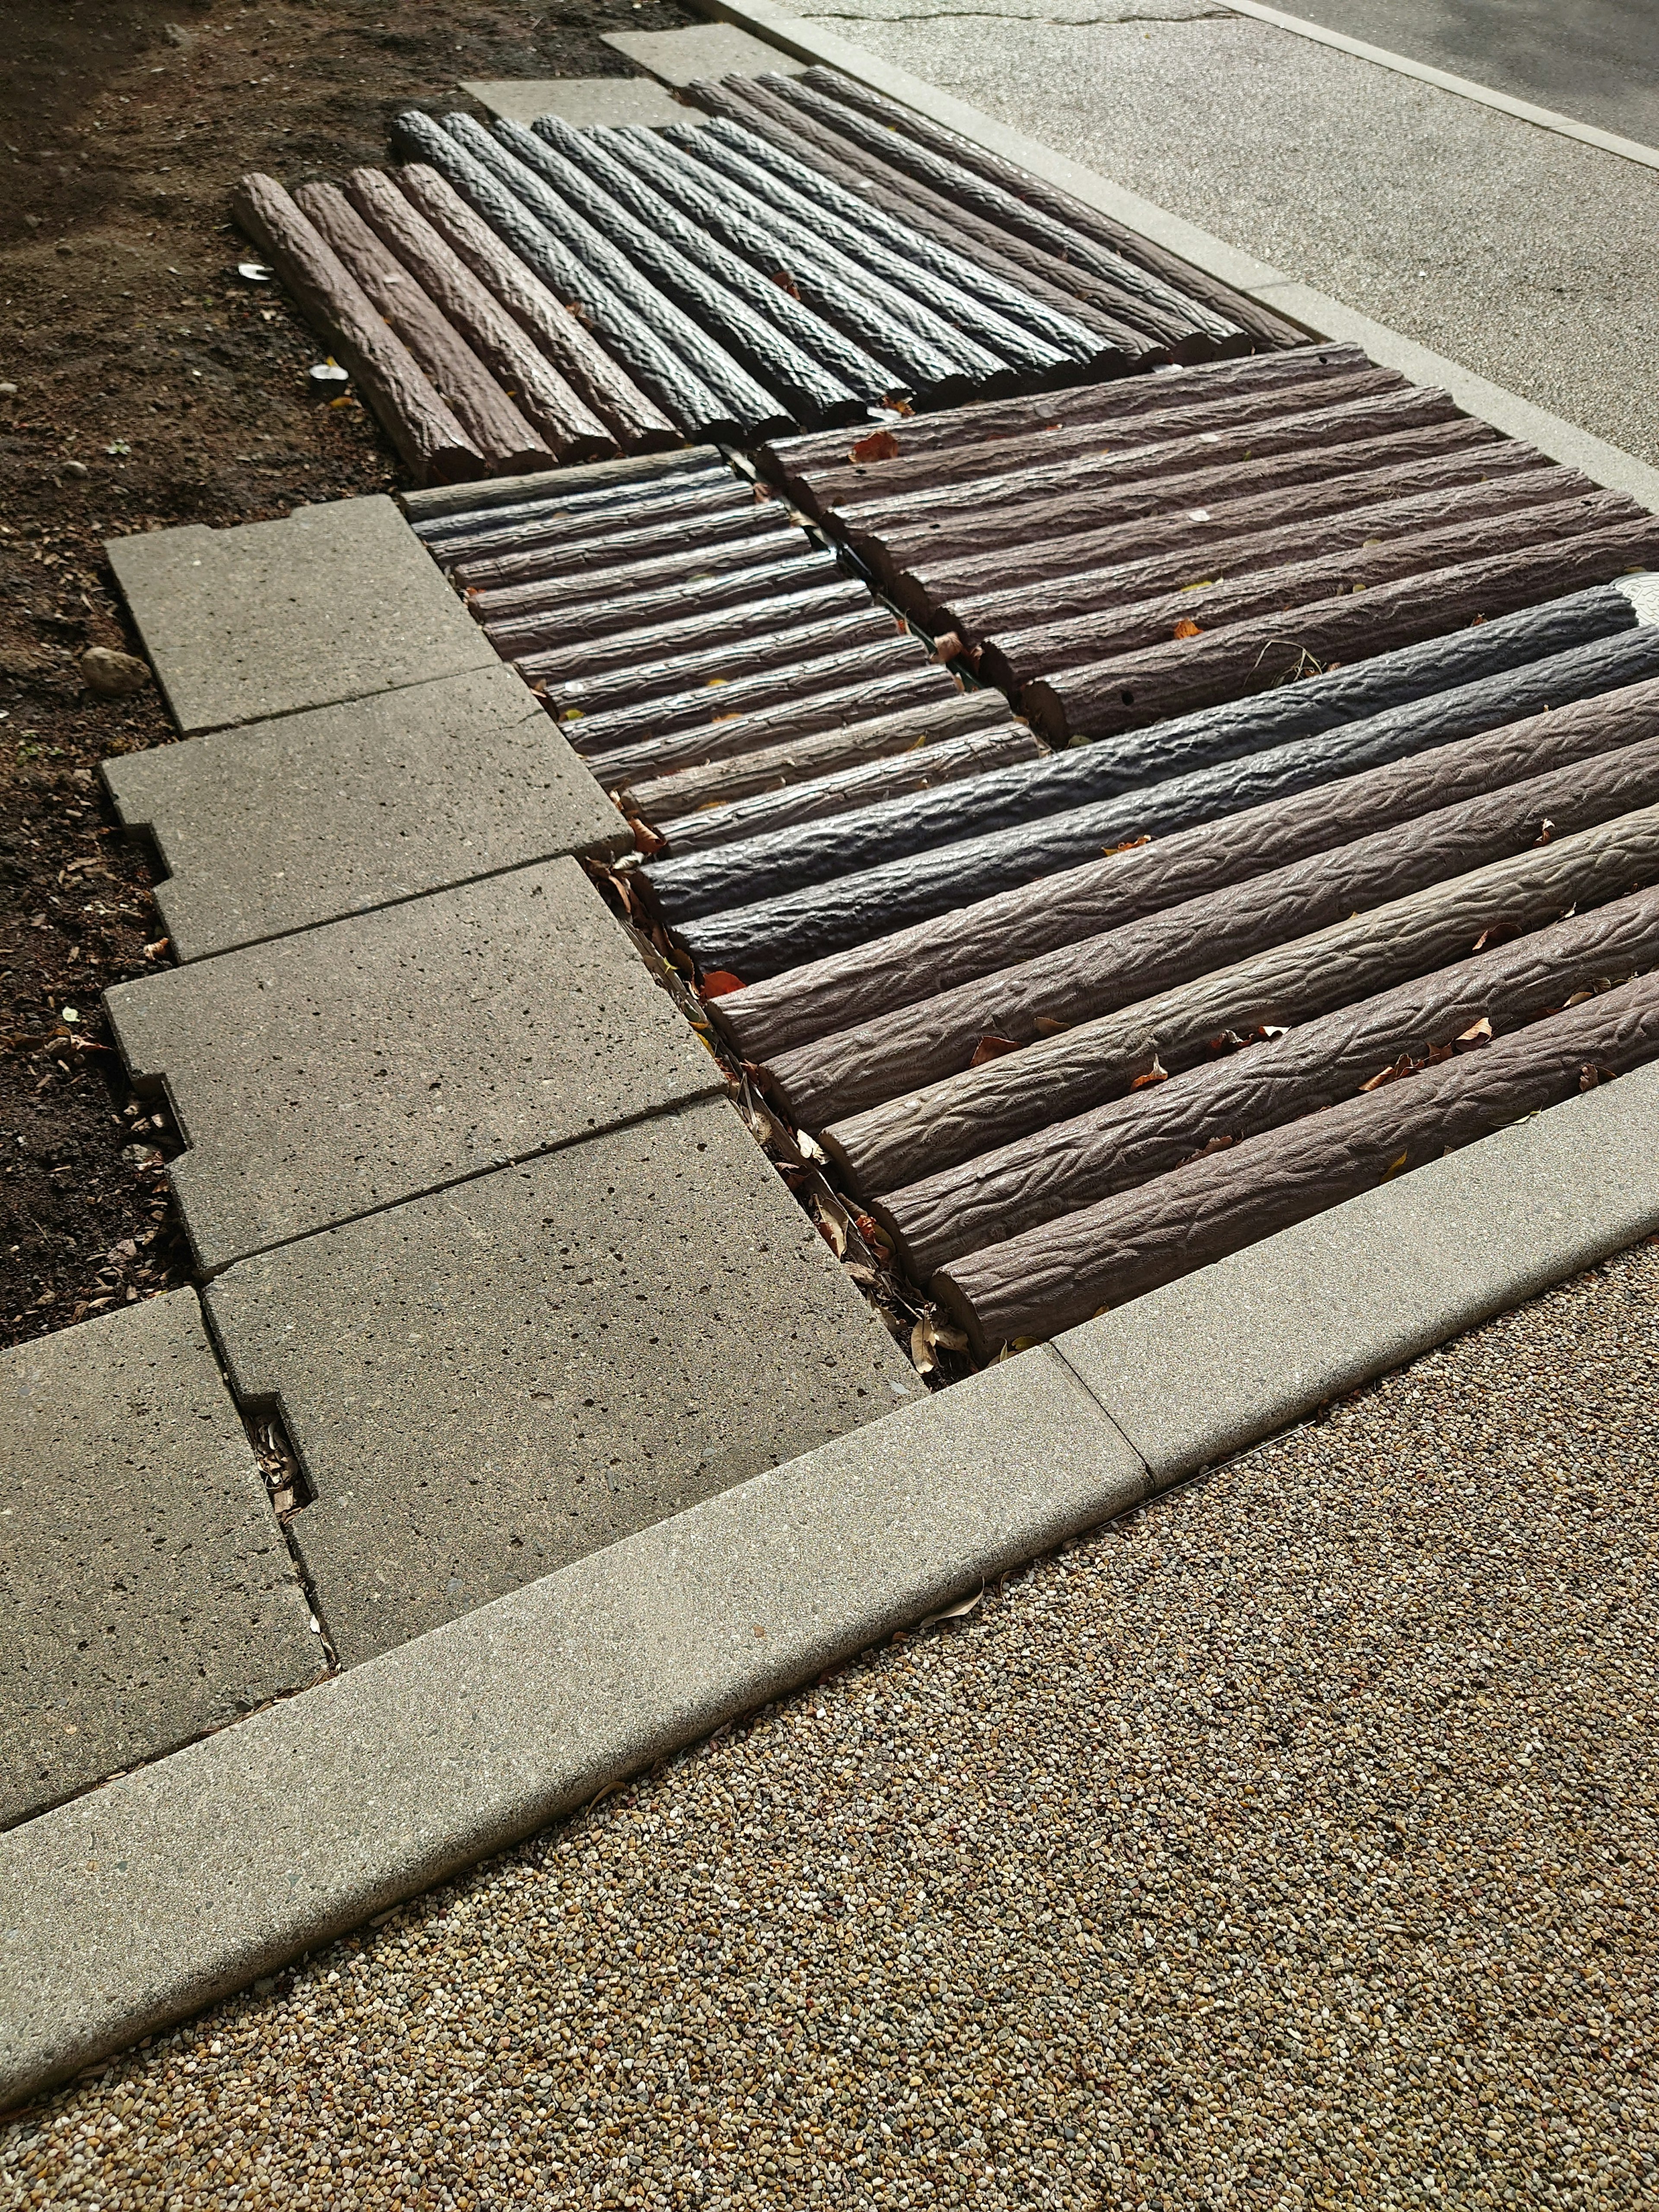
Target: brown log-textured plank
1344,873
923,768
571,427
1134,688
636,422
943,713
791,461
1189,567
946,1123
508,443
778,707
1054,1277
1013,659
1031,519
1074,434
416,418
1118,1146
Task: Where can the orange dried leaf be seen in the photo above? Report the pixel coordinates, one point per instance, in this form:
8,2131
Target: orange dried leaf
992,1047
720,982
1156,1073
879,446
1187,628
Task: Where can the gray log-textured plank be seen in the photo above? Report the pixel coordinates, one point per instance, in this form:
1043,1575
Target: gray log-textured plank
1048,838
1486,813
1054,1277
755,622
1048,1081
414,415
627,578
636,422
544,526
722,522
1134,688
785,139
1118,1146
586,621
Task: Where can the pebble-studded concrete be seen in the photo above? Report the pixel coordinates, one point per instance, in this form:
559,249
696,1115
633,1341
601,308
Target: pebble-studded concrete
1290,1846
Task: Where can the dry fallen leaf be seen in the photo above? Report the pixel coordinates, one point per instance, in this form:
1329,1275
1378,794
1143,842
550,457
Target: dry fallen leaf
1156,1073
1187,628
645,838
1478,1033
879,446
1591,1078
1046,1025
947,644
719,983
992,1047
928,1336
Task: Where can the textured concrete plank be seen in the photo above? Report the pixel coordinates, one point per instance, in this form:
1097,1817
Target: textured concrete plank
1202,1368
323,1075
334,603
702,50
487,1384
284,824
383,1780
585,101
145,1593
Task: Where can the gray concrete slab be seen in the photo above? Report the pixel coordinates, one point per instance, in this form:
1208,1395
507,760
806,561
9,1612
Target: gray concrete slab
390,1776
1202,1368
702,50
331,603
322,1075
280,825
1529,256
583,101
485,1385
145,1593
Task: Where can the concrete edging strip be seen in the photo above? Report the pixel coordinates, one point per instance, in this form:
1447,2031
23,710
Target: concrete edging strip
141,1901
1315,310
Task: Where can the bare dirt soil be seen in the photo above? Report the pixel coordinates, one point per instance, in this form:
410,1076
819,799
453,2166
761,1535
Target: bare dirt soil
143,384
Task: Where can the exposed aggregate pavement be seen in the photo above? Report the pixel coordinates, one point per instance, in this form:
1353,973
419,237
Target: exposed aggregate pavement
1290,1844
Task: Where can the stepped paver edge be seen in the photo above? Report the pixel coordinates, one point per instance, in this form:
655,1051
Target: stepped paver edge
145,1899
1315,310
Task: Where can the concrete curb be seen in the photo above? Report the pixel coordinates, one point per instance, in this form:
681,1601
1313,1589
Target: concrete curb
1314,311
143,1900
1547,118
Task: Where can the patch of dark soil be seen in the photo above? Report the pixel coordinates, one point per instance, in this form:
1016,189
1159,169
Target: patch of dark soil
144,385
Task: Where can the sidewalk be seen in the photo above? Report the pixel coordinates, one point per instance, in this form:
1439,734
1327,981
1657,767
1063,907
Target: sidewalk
1289,1843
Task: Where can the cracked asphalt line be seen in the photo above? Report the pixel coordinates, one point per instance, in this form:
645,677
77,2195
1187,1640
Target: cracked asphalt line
1292,1843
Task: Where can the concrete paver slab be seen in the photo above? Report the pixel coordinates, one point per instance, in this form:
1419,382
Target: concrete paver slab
322,1075
145,1593
583,101
1233,1352
333,603
284,824
702,49
487,1384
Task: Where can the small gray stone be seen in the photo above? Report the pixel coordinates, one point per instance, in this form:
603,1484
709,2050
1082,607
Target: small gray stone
112,675
286,824
334,603
349,1068
487,1384
703,50
145,1593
